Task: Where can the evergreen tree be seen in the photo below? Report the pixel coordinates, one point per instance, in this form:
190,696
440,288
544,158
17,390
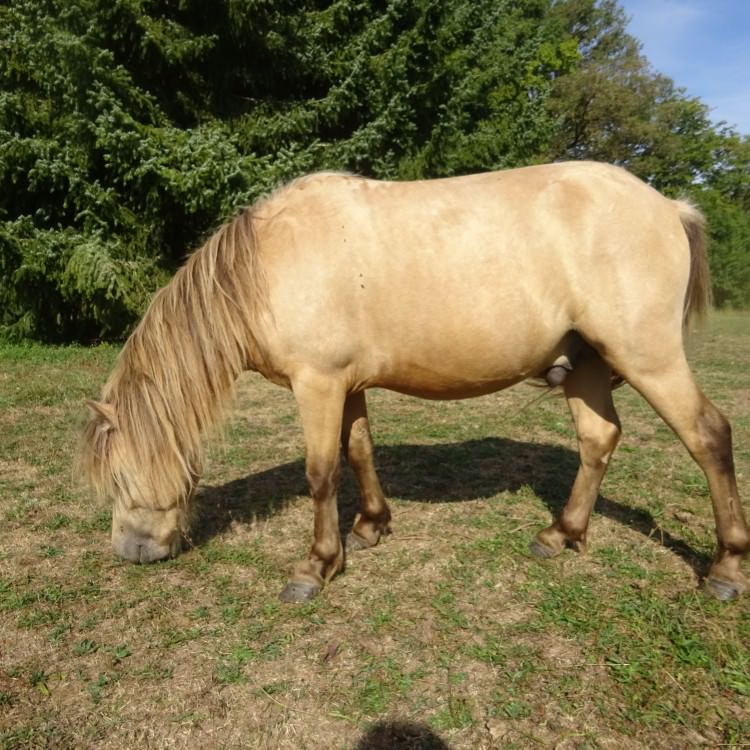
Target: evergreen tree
100,193
130,128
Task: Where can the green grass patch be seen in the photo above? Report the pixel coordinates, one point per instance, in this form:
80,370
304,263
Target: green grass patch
448,629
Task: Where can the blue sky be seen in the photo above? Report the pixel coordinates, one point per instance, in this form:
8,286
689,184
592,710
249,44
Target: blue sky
703,46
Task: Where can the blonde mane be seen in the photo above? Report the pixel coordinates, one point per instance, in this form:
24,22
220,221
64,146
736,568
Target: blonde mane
175,373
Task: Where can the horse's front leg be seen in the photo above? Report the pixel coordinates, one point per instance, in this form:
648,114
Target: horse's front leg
321,403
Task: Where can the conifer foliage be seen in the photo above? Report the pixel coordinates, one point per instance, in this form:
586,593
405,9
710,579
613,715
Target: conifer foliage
130,128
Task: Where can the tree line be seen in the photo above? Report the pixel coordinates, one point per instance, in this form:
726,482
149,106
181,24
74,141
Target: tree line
130,128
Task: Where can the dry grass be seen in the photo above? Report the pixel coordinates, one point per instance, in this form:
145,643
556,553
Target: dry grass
447,635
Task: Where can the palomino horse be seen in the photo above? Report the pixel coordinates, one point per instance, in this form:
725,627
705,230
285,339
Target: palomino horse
442,289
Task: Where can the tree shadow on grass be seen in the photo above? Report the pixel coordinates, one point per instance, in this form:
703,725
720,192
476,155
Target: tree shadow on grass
444,473
400,735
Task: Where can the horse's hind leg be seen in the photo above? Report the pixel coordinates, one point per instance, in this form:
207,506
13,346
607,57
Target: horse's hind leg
588,390
706,433
374,516
321,404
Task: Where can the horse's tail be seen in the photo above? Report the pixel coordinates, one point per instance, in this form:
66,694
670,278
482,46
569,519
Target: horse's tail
698,295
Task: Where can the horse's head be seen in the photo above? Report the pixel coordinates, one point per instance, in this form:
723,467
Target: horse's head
142,446
149,485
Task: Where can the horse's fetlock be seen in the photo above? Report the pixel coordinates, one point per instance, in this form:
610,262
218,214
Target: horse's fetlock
737,542
383,519
327,551
369,529
573,527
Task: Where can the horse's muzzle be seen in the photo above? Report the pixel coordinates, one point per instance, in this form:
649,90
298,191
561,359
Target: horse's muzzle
140,549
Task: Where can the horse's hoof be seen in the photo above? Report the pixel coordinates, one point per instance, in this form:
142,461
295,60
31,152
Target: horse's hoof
296,592
540,550
724,591
355,543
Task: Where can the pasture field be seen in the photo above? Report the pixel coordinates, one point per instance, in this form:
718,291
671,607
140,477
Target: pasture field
446,635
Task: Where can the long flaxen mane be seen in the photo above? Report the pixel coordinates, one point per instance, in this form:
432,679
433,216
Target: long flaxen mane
143,442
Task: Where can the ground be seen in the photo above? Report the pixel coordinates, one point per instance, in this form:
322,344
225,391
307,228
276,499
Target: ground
446,635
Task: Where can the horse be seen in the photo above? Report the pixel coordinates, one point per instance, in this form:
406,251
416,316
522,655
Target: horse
441,289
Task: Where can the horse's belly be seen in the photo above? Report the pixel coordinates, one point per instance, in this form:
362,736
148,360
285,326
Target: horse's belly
465,366
436,355
440,387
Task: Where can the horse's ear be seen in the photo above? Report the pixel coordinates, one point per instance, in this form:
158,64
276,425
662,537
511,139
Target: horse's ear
104,414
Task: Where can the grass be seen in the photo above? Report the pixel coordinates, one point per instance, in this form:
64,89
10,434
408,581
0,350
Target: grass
447,635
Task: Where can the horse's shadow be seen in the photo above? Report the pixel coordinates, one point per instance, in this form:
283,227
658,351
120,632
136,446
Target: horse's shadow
444,473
